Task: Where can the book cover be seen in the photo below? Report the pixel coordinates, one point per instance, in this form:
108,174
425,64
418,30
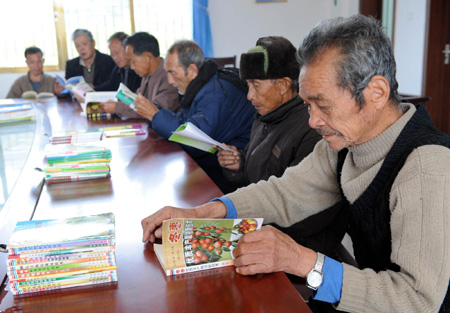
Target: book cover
190,245
190,135
45,232
123,131
125,95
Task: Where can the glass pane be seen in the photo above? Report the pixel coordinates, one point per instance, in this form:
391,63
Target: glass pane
101,17
34,26
16,140
168,20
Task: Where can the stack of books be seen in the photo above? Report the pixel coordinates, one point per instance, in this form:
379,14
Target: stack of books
77,136
54,254
15,112
68,163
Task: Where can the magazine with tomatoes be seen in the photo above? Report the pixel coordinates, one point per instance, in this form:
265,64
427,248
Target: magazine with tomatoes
190,245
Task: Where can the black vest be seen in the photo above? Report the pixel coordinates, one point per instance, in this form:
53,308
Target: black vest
369,216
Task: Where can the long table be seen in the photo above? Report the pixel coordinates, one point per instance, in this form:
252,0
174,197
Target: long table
147,173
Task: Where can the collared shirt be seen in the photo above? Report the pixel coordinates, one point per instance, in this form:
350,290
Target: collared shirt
88,72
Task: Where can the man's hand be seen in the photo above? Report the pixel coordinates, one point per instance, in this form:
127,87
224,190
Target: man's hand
145,107
79,98
229,160
109,106
269,250
58,88
151,225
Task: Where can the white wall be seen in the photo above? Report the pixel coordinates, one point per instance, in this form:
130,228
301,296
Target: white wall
409,44
236,25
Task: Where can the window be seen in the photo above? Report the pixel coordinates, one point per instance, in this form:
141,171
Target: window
49,24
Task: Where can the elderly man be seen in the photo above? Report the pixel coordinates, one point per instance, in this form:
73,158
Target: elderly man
383,158
121,73
93,65
215,105
35,79
142,51
281,136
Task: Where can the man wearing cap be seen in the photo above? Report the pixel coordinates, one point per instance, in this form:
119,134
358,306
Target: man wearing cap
281,136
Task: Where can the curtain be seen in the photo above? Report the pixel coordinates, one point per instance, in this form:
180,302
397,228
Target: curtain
202,27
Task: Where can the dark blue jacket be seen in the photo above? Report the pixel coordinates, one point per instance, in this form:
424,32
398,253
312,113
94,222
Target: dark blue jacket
222,111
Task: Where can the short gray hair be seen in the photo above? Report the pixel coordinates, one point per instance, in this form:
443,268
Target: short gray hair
189,52
78,32
365,52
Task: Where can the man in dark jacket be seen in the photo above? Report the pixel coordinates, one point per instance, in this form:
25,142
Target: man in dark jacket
281,136
121,73
93,65
215,105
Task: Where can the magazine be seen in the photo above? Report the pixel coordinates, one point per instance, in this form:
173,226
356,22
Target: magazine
190,245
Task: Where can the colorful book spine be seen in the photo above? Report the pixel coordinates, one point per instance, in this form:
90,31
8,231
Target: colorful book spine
100,116
74,178
98,242
62,252
22,263
56,269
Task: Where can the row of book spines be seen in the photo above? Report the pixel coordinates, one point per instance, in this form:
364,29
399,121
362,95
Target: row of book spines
55,269
80,156
78,172
49,261
100,116
81,280
37,280
48,288
195,268
76,168
88,242
107,249
104,246
74,178
74,160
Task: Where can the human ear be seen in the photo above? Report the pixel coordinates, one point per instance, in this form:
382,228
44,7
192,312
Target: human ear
378,91
192,71
284,84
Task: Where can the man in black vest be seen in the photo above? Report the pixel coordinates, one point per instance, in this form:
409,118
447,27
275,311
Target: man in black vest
383,159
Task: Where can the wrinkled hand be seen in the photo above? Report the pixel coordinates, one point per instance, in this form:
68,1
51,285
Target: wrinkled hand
58,88
151,225
145,107
109,106
227,159
269,250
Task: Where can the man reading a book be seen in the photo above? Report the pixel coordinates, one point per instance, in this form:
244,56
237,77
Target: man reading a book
281,136
142,51
216,105
383,159
121,73
35,80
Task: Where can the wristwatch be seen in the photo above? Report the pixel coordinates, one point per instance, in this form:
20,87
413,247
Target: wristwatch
315,277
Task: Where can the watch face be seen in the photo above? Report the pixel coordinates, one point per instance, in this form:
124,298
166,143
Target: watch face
314,279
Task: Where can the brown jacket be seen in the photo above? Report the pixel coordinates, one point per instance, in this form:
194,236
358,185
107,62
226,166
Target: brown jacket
23,83
157,89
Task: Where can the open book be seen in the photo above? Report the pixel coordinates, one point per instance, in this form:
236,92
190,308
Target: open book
71,82
190,135
190,245
75,85
124,94
31,94
91,105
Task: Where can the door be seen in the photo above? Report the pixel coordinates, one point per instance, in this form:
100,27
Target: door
437,79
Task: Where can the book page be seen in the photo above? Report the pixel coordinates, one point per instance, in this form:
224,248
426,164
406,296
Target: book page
125,95
191,135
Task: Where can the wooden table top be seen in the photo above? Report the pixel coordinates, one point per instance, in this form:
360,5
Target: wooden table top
147,173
